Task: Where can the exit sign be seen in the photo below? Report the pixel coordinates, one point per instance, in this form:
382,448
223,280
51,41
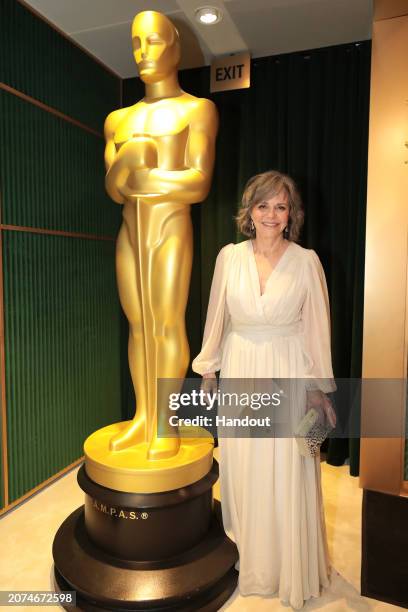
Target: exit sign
231,72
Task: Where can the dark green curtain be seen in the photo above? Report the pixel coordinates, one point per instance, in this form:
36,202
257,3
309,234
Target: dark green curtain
305,114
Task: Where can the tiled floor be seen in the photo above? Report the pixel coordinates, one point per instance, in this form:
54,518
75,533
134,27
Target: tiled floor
26,536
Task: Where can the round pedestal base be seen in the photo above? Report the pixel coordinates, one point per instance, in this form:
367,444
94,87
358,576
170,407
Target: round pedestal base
201,578
130,470
148,526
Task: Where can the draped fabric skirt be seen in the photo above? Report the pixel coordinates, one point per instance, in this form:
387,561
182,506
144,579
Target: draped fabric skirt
271,495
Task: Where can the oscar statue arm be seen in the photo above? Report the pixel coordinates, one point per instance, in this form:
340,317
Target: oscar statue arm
111,123
191,184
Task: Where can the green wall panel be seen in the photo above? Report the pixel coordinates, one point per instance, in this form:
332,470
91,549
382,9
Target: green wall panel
62,317
38,61
62,342
52,172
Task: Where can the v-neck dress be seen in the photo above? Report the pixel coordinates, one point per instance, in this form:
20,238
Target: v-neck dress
270,494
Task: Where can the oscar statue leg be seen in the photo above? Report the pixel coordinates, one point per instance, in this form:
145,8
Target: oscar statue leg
129,292
172,262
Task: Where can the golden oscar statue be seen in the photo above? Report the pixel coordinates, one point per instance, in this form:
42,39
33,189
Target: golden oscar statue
159,159
150,534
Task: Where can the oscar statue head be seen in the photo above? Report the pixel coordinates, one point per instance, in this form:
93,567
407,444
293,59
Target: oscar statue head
156,46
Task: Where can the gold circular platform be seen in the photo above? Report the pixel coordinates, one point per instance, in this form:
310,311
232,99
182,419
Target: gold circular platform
130,471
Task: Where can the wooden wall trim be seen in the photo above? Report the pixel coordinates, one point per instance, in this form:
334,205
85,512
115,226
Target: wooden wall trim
38,230
388,9
3,383
48,109
41,486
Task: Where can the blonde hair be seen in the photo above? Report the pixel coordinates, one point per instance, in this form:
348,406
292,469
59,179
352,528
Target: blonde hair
265,186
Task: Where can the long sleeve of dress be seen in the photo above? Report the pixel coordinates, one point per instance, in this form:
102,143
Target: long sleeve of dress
218,320
316,321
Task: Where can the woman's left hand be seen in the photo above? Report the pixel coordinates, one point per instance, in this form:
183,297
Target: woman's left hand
320,402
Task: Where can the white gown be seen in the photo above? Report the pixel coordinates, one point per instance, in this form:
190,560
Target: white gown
270,494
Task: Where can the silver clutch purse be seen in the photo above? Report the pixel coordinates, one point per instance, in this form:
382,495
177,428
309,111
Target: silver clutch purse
311,433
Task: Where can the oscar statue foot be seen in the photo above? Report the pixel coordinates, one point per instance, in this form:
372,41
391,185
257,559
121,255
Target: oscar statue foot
133,433
163,448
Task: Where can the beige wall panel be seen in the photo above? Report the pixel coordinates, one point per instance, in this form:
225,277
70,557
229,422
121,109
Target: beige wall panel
386,243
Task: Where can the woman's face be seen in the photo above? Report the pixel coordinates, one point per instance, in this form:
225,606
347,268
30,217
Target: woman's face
271,216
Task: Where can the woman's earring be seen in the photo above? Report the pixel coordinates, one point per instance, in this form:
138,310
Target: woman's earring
252,226
286,232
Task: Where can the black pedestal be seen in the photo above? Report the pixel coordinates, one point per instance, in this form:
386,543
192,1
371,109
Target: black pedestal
384,568
157,552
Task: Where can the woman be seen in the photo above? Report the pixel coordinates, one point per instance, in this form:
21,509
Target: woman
268,317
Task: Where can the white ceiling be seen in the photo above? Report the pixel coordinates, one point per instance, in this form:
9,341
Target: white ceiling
264,27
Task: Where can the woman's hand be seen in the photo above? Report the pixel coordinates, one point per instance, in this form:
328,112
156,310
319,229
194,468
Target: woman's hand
209,383
320,402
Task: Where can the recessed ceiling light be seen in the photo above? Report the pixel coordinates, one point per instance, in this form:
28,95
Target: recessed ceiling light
208,15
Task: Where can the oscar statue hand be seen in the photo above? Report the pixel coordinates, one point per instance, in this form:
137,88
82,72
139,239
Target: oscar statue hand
129,173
